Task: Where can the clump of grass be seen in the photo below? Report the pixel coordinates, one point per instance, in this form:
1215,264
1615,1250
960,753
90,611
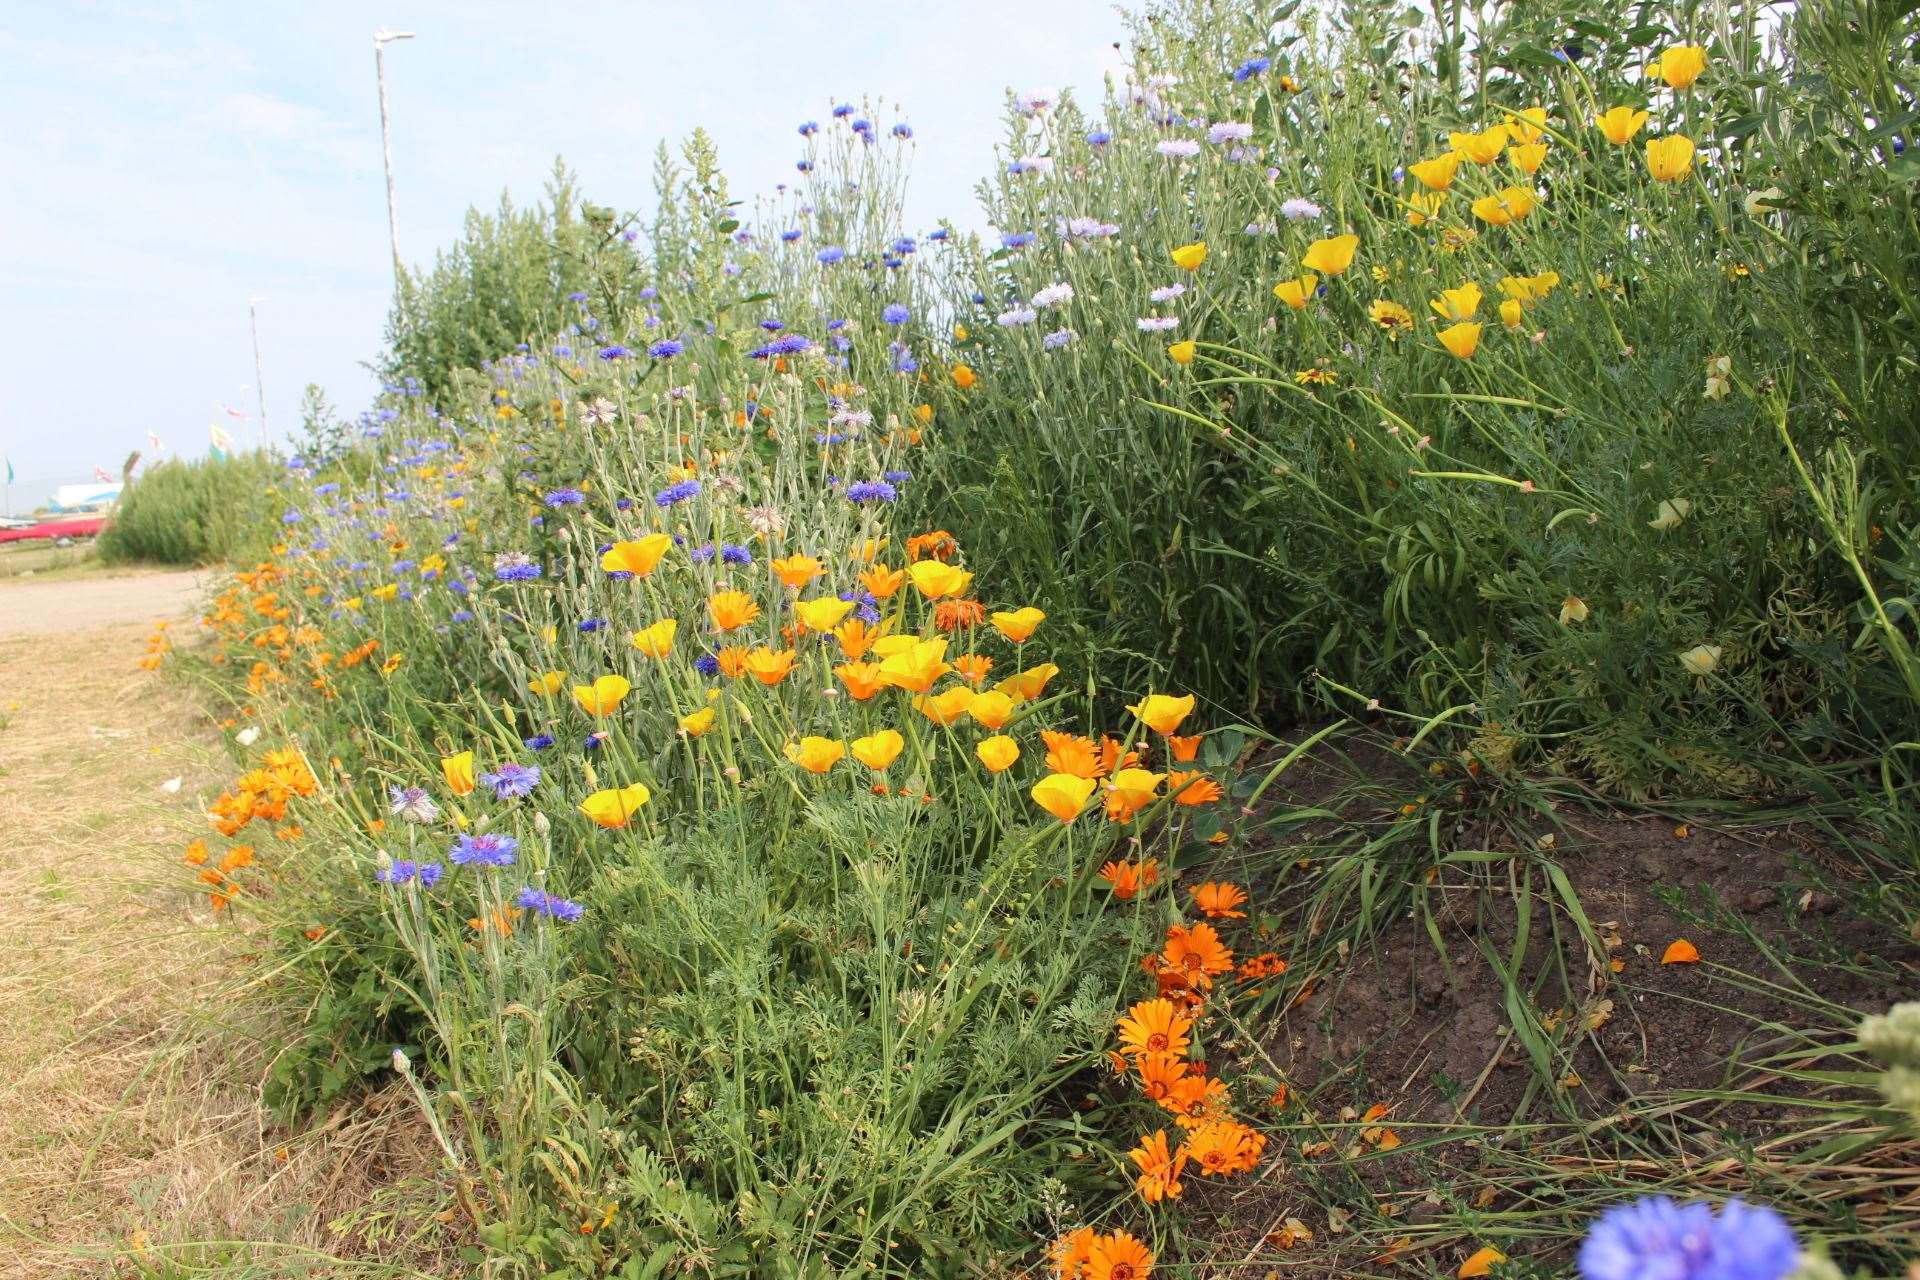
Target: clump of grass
194,512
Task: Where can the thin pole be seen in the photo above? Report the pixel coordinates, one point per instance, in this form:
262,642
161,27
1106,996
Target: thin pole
259,380
380,39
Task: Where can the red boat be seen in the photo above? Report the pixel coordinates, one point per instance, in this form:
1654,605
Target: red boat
54,530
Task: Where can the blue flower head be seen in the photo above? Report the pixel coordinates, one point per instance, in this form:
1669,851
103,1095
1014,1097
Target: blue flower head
1251,68
831,254
565,498
1655,1239
490,850
546,904
666,349
674,493
511,781
895,313
809,128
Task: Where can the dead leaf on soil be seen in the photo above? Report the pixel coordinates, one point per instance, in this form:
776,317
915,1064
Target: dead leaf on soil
1480,1263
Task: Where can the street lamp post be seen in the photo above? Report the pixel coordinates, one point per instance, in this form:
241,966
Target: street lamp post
380,40
259,380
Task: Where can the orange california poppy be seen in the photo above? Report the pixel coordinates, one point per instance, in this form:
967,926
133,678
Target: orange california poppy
1184,749
731,610
798,570
856,636
769,666
861,678
1129,878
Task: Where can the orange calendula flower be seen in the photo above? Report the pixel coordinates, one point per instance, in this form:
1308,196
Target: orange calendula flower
1225,1147
656,641
458,771
1184,749
1331,255
935,543
1154,1026
602,696
731,610
1070,1252
1019,625
816,754
958,615
856,636
796,571
963,376
196,854
1220,900
1297,293
1163,712
878,750
769,666
935,579
1159,1168
1118,1257
1128,877
1436,174
917,666
972,667
946,707
1670,159
998,753
1483,147
881,582
1192,788
1160,1074
1063,795
732,659
615,806
1071,754
823,613
1620,124
1028,684
862,679
1461,340
1196,954
639,558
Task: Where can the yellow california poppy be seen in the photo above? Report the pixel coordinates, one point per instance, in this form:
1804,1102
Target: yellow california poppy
1190,256
1297,293
1511,313
1528,158
1019,625
823,613
1528,126
1331,255
616,806
1483,147
1062,795
992,710
1620,124
1179,353
1670,159
547,683
917,666
656,641
1510,204
816,754
1437,173
1458,303
1162,712
639,558
997,753
1029,683
1461,339
697,723
937,579
878,750
1423,205
602,696
458,771
1681,65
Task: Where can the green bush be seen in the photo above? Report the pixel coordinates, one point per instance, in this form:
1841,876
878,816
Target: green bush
198,511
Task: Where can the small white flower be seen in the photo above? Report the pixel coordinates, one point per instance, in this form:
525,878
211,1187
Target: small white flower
1053,295
1156,324
247,736
171,786
1178,148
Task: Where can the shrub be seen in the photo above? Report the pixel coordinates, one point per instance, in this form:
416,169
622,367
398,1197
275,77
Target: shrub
198,511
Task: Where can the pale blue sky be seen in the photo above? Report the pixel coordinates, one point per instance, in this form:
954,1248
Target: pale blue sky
164,162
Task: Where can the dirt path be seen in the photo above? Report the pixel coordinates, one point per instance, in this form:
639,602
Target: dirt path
69,605
133,1125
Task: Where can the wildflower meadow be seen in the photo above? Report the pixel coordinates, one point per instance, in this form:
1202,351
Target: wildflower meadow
1334,695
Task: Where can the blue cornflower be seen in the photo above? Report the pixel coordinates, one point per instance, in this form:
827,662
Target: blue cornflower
866,491
331,486
895,313
511,781
803,166
903,361
707,665
577,295
1017,239
1655,1239
515,566
666,349
842,111
489,850
902,131
903,244
565,498
831,254
773,326
938,233
790,235
400,872
809,128
613,352
1099,138
596,740
680,492
865,606
588,626
538,742
701,554
898,477
291,516
460,615
733,553
834,326
1251,68
547,905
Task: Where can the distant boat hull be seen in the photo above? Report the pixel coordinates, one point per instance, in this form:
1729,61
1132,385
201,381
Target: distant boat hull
54,530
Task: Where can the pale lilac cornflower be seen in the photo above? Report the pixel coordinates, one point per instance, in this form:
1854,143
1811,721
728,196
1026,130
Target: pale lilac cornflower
1032,102
1262,229
598,410
1087,229
511,781
1229,131
1157,324
1017,316
1053,295
412,804
1167,293
1059,338
1042,165
1298,207
1655,1239
1178,148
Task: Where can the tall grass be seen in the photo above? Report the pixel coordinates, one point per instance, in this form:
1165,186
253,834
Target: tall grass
201,511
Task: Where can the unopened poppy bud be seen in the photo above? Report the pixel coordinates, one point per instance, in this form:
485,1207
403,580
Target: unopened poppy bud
481,823
829,692
732,772
541,825
402,1063
746,716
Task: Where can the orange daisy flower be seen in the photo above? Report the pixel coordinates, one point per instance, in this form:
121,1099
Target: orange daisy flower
954,615
1154,1026
1220,900
938,544
1192,788
1159,1168
1118,1257
881,581
1225,1147
1196,954
972,667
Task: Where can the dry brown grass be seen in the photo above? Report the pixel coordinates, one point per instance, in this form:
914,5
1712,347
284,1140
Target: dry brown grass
136,1139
